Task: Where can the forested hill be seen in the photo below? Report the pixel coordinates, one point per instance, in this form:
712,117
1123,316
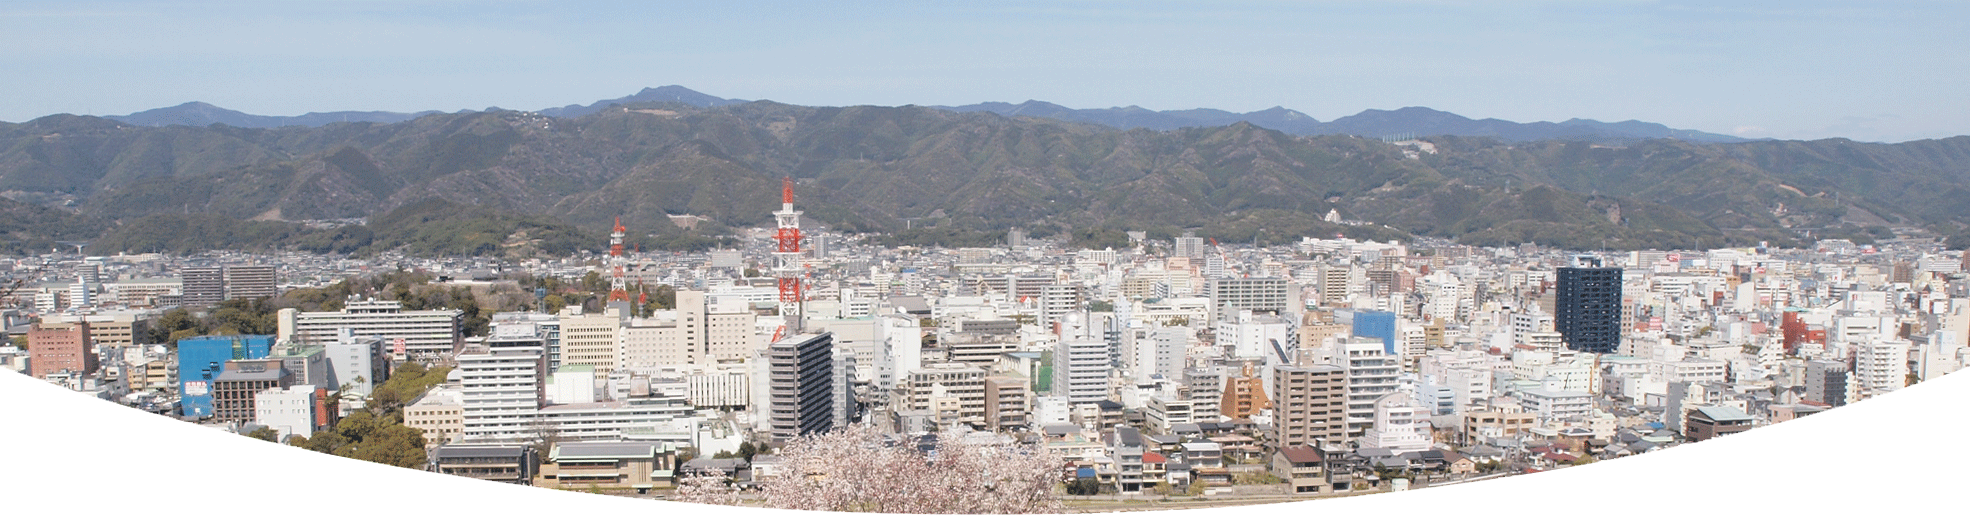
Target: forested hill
518,182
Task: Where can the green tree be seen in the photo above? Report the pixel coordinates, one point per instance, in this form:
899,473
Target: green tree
1083,486
264,433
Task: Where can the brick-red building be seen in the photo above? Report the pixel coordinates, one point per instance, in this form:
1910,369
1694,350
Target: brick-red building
57,347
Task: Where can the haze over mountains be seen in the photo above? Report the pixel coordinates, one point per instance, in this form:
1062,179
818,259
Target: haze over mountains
1375,123
521,183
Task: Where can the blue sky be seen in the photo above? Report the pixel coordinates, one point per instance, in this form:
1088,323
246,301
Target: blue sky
1871,71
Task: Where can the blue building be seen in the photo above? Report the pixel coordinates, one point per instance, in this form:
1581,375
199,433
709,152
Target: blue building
201,359
1371,324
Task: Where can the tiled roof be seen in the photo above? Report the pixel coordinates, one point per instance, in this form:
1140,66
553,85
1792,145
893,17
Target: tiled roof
1301,454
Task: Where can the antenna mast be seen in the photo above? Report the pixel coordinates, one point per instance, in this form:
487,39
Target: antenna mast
787,265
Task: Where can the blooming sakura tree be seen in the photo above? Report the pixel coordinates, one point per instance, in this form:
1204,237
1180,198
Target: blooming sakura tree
859,469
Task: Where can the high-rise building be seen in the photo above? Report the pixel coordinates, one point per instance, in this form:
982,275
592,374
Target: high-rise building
1826,382
1057,300
800,385
1372,374
1333,284
1587,306
503,389
203,285
1309,405
1881,366
1188,246
1080,367
250,282
1379,325
1259,294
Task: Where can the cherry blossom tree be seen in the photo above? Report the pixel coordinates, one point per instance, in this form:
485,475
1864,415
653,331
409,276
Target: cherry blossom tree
859,469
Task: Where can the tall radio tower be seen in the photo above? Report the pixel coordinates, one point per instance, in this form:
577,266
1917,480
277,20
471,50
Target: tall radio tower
786,262
618,289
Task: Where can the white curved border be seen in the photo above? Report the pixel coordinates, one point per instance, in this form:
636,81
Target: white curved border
70,452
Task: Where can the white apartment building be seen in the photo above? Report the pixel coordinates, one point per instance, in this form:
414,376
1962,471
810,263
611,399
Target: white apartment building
1080,366
289,411
1880,366
1371,375
1400,424
503,390
1253,336
435,332
1552,405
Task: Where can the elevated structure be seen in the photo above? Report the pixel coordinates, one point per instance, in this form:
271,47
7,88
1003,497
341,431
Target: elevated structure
786,257
618,289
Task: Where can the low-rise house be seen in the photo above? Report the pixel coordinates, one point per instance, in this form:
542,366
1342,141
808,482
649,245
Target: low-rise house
1458,464
1203,454
1303,468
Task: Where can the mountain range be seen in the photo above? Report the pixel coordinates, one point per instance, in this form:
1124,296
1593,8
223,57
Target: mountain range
1375,123
526,183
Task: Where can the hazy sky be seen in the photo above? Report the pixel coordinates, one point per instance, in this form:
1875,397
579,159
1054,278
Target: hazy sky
1872,71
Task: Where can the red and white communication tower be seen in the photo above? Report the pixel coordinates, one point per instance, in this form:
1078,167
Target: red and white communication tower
618,288
786,257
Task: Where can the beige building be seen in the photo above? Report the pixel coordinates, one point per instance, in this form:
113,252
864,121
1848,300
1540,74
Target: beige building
954,392
1311,405
439,415
591,339
155,374
611,465
1498,423
1007,403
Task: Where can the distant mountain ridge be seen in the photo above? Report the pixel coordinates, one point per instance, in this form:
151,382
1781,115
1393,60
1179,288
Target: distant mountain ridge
926,176
1373,123
200,114
672,93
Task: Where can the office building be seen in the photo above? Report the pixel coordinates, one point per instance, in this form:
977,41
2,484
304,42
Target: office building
61,349
238,386
202,359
